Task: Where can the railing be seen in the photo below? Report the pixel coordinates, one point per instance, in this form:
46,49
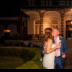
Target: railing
46,3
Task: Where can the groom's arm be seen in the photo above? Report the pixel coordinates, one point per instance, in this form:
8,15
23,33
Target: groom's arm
65,46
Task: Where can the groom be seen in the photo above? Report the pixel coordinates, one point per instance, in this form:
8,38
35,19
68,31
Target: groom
60,55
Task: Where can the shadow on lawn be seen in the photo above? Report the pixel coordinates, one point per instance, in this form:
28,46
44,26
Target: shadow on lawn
28,56
22,53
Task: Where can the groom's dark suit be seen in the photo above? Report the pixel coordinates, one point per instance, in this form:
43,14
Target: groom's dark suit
59,62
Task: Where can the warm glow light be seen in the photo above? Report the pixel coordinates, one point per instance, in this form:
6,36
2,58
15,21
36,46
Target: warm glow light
42,11
8,31
37,22
71,22
71,9
54,22
70,29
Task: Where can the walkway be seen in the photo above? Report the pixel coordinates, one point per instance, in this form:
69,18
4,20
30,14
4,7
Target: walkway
68,61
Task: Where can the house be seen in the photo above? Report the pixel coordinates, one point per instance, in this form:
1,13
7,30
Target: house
37,15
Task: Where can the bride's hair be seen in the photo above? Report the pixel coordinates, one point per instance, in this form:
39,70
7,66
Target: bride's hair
48,34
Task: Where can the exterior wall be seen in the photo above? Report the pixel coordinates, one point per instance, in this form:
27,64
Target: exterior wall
13,29
9,18
49,16
67,17
31,24
2,28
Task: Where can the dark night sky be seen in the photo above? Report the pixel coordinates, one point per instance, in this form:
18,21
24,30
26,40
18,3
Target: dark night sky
9,8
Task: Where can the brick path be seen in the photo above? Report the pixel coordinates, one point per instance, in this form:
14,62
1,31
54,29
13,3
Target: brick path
68,61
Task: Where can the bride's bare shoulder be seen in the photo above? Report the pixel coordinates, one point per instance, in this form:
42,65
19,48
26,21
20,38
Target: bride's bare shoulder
49,40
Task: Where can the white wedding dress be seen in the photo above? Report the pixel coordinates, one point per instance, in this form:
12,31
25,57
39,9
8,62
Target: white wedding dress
48,59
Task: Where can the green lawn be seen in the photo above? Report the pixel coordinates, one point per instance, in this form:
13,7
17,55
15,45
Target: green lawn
10,62
7,62
35,62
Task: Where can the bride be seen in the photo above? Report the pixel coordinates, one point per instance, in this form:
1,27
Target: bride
49,47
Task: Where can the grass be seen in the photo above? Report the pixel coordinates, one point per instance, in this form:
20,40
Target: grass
18,63
35,62
10,62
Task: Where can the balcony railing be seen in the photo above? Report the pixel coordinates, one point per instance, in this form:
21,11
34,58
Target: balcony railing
46,3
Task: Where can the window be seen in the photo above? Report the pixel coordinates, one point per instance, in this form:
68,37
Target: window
50,3
62,3
47,3
37,27
42,3
37,22
7,31
54,24
70,3
33,2
67,3
29,3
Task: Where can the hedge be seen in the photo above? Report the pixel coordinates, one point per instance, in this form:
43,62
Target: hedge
34,53
16,52
11,43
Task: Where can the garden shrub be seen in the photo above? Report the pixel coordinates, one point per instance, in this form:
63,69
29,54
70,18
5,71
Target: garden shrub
32,59
24,52
31,54
16,52
12,43
1,44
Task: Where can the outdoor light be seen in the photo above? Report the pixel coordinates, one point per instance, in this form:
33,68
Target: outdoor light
70,29
71,22
71,9
7,31
42,11
71,19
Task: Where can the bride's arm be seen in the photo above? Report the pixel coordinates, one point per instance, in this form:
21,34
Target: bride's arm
49,45
60,36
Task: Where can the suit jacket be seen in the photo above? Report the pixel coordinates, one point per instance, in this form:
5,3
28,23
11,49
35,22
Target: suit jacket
64,47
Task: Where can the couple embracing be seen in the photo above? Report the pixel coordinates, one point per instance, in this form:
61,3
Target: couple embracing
54,50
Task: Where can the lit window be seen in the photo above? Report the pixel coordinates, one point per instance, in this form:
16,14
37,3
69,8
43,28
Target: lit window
7,31
37,22
70,29
54,22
